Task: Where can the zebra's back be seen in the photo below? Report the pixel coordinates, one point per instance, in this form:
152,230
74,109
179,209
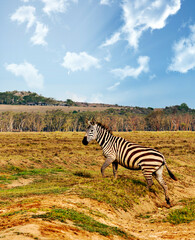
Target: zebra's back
135,157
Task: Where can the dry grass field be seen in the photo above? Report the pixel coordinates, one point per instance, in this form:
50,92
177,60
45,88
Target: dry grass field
43,109
51,188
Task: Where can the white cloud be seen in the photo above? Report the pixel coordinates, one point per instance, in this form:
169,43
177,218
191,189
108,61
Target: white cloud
184,53
111,88
142,15
115,38
82,61
75,97
30,74
108,57
40,33
96,98
153,76
129,71
105,2
56,5
25,14
25,1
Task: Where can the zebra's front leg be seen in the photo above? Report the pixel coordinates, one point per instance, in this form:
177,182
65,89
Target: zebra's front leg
106,164
115,167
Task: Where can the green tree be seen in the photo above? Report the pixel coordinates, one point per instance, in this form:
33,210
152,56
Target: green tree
184,107
69,102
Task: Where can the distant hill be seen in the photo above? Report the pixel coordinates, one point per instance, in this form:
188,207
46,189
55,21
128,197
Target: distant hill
31,98
34,99
25,98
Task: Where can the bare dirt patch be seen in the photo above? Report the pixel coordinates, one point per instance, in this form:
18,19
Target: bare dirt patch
20,182
23,225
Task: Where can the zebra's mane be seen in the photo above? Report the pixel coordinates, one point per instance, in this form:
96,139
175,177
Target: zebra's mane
104,127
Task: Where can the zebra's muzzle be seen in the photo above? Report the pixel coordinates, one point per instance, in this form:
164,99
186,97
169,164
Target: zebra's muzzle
85,142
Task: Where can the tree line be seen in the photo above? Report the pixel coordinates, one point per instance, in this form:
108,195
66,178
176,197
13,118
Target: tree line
116,120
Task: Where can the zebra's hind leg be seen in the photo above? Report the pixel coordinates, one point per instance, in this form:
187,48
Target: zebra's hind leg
115,167
159,177
148,176
149,180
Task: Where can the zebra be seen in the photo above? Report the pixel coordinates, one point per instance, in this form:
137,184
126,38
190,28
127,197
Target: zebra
132,156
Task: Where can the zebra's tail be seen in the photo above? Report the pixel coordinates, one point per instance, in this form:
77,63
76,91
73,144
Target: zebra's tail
170,173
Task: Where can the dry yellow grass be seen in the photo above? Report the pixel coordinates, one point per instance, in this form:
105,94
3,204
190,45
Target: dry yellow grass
53,176
43,109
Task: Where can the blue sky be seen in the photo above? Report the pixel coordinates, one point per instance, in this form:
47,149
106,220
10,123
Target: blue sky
126,52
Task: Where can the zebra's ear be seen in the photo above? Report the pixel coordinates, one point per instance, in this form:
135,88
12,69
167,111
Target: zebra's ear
88,122
93,122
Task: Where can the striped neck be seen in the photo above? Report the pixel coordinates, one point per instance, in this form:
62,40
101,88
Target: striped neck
103,136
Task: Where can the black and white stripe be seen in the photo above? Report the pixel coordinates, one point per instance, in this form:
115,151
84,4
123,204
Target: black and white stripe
132,156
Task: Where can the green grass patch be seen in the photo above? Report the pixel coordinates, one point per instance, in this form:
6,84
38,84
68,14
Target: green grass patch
11,168
143,216
120,193
33,189
39,171
183,215
7,178
28,172
12,213
81,220
83,174
4,203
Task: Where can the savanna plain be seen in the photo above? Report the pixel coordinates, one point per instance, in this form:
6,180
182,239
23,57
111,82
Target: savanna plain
51,188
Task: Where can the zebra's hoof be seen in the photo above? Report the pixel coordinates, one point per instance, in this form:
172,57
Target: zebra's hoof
168,201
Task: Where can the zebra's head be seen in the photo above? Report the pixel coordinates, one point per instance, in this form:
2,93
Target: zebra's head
91,133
